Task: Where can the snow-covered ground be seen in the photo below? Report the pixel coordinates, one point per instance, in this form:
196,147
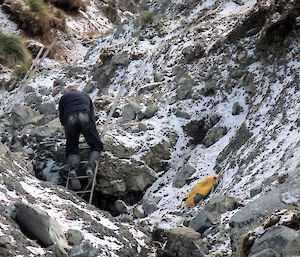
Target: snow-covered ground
275,137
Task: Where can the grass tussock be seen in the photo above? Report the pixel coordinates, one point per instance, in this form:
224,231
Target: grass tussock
35,18
20,72
146,18
12,50
38,6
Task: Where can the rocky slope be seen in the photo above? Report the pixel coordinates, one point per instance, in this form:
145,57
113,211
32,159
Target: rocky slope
208,88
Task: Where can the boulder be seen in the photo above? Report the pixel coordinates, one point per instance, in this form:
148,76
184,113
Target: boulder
275,238
182,174
184,242
23,115
221,204
41,226
214,135
202,221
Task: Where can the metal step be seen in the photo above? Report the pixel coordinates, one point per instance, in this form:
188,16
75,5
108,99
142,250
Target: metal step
86,190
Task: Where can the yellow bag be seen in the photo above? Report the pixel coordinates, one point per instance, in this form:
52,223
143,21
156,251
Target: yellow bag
201,190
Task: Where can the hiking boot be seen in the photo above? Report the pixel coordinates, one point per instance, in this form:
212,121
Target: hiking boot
74,181
90,175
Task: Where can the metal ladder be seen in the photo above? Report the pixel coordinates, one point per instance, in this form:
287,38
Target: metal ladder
86,189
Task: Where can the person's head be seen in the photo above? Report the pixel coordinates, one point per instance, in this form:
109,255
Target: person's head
69,88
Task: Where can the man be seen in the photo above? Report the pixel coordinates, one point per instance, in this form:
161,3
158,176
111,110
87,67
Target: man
76,114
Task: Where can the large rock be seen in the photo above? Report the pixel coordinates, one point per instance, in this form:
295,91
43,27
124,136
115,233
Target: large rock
23,115
202,221
213,135
184,242
275,238
182,174
158,156
120,178
41,226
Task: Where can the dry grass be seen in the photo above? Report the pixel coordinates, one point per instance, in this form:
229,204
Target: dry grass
39,23
13,51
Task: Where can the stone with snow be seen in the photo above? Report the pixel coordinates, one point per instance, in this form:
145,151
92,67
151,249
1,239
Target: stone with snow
276,238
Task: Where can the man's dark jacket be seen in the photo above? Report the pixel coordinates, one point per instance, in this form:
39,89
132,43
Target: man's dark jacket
74,101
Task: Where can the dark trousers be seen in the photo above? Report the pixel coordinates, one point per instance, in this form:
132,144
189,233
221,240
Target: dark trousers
81,123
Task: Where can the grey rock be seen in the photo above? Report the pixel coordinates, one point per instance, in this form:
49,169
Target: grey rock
257,209
184,242
202,221
139,212
123,178
74,237
240,138
151,111
221,204
48,108
120,59
293,248
276,238
266,253
210,87
184,91
236,109
130,111
149,207
214,135
121,206
182,174
251,89
41,226
256,190
83,250
23,115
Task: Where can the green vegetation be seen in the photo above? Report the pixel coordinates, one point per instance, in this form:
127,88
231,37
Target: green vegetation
38,6
12,50
146,18
20,72
111,3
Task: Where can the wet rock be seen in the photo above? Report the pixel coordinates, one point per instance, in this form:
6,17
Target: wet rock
182,174
184,242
